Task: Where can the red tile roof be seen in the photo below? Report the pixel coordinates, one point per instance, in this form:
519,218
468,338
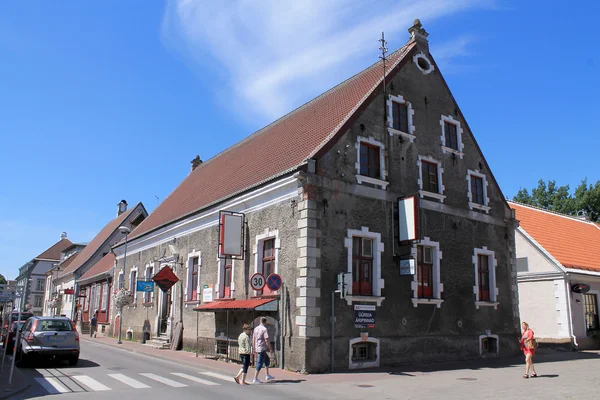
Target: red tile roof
89,250
575,243
273,151
250,304
102,266
53,253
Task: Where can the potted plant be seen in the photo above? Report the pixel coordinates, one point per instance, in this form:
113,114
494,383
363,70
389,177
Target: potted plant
123,298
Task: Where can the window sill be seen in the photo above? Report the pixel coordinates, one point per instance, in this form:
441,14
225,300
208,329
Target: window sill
192,303
437,302
479,207
405,135
449,150
146,305
366,299
487,304
373,181
438,196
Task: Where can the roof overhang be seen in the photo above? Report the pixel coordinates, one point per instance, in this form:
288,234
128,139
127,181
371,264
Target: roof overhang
258,304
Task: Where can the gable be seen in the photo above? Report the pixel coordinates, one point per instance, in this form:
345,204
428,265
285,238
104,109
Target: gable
531,257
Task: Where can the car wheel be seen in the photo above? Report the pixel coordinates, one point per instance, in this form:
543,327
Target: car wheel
73,361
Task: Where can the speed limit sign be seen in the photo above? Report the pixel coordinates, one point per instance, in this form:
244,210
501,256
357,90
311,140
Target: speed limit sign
257,281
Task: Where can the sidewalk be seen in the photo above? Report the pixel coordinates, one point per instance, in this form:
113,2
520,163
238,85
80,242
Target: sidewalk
19,382
187,358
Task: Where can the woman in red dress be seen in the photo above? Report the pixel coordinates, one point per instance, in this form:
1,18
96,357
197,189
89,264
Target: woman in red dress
526,336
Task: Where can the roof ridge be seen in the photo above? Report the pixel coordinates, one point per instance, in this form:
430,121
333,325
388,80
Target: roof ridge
558,214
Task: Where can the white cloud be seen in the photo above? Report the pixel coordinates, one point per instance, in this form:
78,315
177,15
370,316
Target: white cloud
273,55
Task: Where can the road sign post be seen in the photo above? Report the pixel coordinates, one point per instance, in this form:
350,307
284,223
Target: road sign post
274,282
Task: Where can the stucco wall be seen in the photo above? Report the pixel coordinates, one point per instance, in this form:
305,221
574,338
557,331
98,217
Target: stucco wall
541,308
536,260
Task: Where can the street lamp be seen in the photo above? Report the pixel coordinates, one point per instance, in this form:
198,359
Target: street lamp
126,231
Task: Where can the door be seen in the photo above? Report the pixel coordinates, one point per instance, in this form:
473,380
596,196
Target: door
165,311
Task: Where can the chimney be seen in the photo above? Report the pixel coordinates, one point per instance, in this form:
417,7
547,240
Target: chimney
195,163
121,207
419,35
583,215
63,235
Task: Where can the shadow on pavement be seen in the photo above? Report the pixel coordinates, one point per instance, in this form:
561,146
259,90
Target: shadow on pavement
287,381
58,364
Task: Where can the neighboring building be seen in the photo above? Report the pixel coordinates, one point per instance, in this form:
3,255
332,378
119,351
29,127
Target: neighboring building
558,256
52,296
33,275
95,287
319,189
66,282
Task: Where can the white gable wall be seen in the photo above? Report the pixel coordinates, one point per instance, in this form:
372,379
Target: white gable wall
537,261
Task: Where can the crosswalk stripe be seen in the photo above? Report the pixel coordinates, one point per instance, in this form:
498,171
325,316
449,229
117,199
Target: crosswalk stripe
91,383
129,381
52,385
195,379
218,376
163,380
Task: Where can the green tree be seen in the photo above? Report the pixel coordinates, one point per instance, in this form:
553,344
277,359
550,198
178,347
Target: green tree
557,198
2,279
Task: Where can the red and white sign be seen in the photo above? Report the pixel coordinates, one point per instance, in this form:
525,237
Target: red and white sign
257,281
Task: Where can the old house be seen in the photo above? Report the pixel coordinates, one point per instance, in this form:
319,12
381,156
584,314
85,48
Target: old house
558,272
322,191
73,294
52,296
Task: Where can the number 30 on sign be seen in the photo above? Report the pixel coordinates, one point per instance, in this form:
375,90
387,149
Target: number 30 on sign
257,281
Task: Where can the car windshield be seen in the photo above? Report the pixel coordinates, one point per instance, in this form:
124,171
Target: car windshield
53,325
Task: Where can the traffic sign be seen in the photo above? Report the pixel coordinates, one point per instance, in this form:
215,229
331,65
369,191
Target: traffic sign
257,281
274,282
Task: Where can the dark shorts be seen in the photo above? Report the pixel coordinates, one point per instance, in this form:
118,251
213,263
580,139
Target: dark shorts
263,360
245,362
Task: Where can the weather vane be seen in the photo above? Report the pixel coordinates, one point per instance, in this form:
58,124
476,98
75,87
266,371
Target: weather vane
384,50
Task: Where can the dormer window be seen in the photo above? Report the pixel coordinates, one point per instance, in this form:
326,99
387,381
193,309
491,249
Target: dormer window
400,117
370,166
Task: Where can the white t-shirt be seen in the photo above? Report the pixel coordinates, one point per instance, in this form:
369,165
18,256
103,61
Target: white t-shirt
260,337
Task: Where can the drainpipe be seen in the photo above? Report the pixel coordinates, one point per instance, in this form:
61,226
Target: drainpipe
569,316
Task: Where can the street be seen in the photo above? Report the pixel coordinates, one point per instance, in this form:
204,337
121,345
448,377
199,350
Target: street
106,370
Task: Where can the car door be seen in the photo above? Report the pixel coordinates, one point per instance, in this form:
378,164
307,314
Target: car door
24,333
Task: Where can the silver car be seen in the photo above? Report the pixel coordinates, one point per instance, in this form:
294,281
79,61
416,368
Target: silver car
48,337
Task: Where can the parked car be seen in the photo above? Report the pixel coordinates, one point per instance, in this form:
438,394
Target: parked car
9,318
9,343
48,337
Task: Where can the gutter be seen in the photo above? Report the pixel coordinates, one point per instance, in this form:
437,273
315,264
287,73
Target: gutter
569,316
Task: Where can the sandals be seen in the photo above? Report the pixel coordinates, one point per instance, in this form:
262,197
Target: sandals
526,376
534,375
235,378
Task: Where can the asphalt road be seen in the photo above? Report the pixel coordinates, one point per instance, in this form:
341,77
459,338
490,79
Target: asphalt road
104,372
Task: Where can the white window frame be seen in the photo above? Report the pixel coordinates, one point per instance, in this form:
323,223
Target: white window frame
148,276
416,61
438,287
105,295
378,248
367,364
492,264
133,285
188,293
258,251
410,135
459,132
381,182
423,193
121,280
221,282
484,207
41,300
37,283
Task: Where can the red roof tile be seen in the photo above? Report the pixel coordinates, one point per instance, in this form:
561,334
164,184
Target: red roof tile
250,304
89,250
53,253
102,266
575,243
273,151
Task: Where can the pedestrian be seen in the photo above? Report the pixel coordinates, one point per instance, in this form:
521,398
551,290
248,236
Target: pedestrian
528,345
244,349
94,324
261,345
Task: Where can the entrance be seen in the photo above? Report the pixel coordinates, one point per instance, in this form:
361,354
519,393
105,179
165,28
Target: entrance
165,311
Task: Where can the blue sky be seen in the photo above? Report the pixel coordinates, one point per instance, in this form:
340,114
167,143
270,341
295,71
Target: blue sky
103,101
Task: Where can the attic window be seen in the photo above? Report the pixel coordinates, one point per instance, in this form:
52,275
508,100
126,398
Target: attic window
423,63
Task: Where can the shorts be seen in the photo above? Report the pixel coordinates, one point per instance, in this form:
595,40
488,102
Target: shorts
245,362
263,359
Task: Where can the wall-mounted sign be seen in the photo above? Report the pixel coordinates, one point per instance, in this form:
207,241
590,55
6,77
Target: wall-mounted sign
231,235
364,316
408,219
207,293
580,288
165,279
70,291
407,267
145,286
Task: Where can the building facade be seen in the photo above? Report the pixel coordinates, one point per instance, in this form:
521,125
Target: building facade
319,190
559,284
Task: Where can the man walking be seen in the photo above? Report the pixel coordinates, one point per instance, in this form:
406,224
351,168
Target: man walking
260,341
94,324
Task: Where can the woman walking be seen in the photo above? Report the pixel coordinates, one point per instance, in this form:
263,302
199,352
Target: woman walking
528,346
244,350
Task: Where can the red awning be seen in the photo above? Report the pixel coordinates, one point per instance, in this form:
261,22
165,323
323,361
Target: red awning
262,304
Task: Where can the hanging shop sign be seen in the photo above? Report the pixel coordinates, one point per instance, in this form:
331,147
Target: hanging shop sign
580,288
70,291
364,316
145,286
165,279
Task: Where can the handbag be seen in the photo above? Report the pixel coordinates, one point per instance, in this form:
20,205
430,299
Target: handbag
531,344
